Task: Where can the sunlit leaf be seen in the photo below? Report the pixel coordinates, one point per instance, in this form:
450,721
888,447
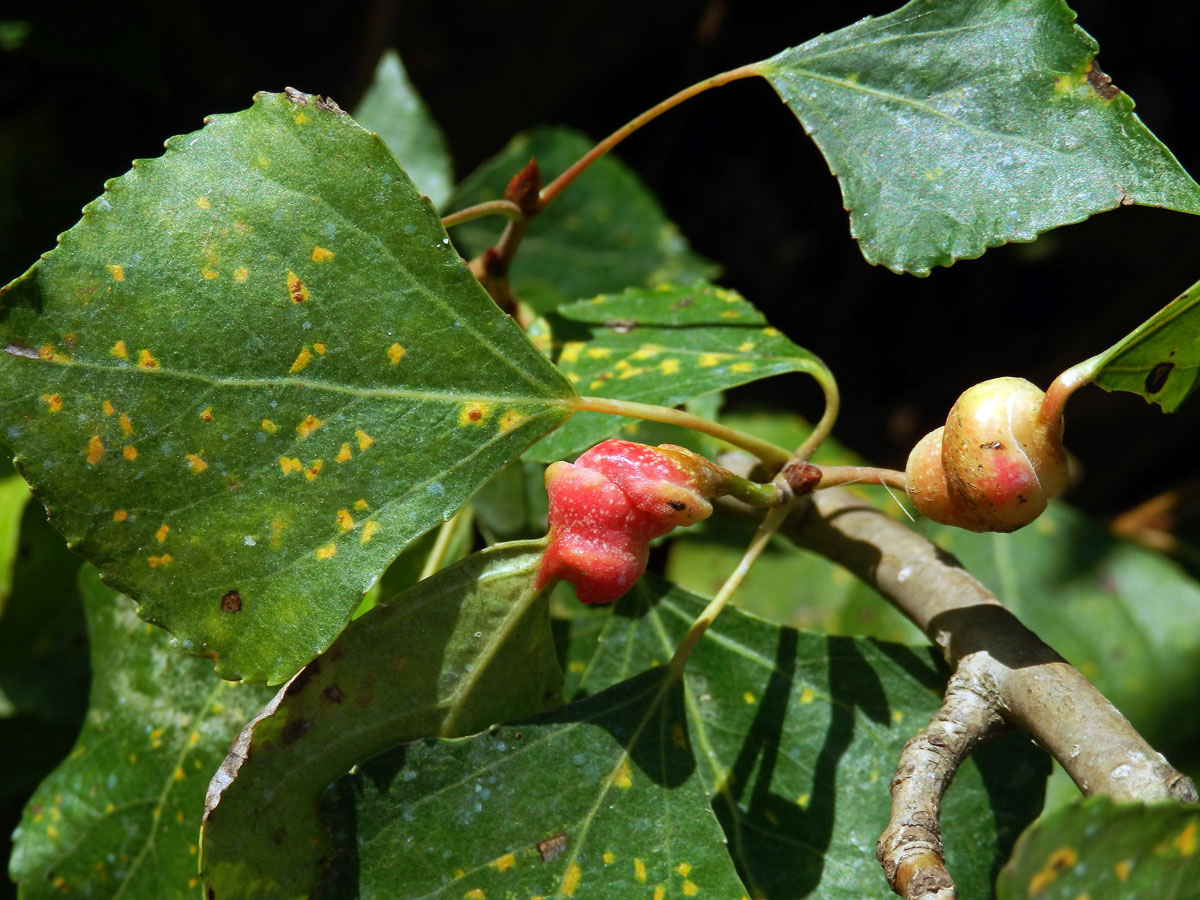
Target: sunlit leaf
228,380
14,494
120,816
1106,851
1160,359
599,799
393,110
959,125
461,650
604,233
662,346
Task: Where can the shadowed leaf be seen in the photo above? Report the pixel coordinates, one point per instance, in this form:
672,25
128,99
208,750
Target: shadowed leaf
604,233
119,817
227,380
958,125
457,652
393,110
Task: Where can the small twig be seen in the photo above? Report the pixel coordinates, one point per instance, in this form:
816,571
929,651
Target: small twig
504,208
910,849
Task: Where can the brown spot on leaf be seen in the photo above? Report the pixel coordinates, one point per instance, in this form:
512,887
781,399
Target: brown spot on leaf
333,694
552,846
303,677
231,602
1157,379
1101,83
681,303
293,731
277,837
621,326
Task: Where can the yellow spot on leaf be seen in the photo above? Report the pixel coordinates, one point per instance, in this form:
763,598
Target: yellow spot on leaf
771,332
807,695
53,401
126,424
296,289
684,869
301,119
195,463
314,469
343,454
345,521
108,408
193,739
320,348
269,427
302,360
118,350
708,360
120,515
360,503
639,871
1186,841
240,274
659,892
203,203
130,452
320,254
609,857
803,800
599,352
459,873
598,383
897,716
748,697
503,863
571,351
368,531
327,551
742,367
731,314
573,377
290,464
646,351
117,273
624,778
209,274
308,426
746,346
630,373
364,439
47,352
571,880
474,413
146,360
1060,859
1122,869
396,353
52,833
511,419
156,561
206,414
95,450
669,366
689,888
161,534
578,666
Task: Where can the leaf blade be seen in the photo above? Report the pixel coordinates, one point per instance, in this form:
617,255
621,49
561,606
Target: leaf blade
275,416
958,126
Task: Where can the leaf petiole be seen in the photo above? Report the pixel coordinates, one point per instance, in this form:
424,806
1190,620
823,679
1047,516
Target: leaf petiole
505,208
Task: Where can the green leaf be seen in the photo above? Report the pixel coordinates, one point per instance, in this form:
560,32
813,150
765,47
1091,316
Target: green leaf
1106,851
1160,359
605,233
958,125
459,651
229,375
393,110
599,799
120,816
663,346
513,505
797,736
14,494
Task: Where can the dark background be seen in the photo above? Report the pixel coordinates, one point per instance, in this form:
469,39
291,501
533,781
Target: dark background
90,88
